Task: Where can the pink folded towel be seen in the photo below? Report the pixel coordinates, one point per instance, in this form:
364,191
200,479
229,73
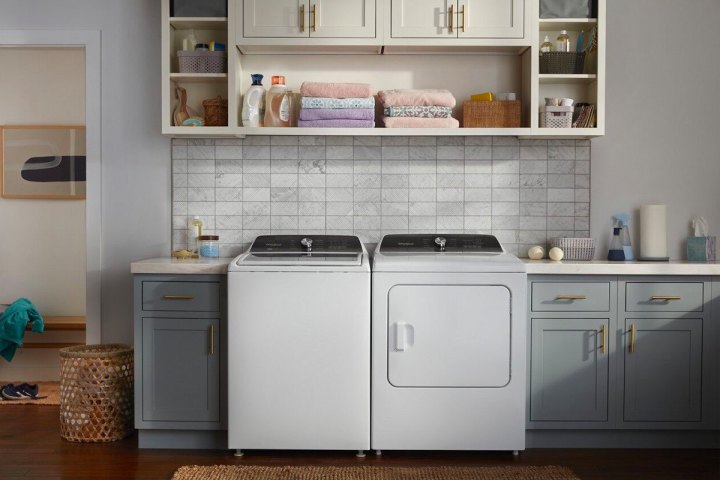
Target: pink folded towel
405,97
335,90
414,122
336,123
335,113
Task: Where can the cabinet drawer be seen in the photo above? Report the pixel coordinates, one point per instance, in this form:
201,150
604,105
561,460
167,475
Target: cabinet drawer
181,296
571,297
664,297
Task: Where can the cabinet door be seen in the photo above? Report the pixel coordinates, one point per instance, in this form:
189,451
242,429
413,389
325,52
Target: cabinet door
276,18
423,18
569,369
342,18
181,369
663,368
490,18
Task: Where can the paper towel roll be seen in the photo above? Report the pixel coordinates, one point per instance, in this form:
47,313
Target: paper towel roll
653,231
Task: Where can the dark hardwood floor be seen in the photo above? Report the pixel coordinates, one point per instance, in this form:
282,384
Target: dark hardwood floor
31,448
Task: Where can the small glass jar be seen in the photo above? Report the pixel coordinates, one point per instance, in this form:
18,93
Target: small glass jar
209,246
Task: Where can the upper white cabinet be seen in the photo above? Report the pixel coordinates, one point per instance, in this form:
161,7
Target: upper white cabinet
457,19
307,19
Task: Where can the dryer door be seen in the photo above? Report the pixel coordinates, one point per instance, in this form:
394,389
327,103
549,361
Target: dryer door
449,336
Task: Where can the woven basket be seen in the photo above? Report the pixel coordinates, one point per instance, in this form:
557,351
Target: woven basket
491,114
556,117
96,392
562,62
575,248
201,61
216,112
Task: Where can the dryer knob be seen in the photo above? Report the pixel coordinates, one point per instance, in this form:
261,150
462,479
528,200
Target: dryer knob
307,243
440,242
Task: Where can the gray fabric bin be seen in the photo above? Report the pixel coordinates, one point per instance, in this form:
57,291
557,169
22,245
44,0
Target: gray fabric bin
199,8
567,9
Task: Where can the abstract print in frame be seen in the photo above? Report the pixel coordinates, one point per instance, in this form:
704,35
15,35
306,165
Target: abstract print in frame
42,161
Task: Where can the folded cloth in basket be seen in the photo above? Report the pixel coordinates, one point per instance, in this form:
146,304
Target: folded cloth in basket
337,123
323,102
335,113
406,97
335,90
411,122
419,111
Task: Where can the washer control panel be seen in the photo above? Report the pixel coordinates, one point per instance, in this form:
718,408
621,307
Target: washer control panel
316,245
440,243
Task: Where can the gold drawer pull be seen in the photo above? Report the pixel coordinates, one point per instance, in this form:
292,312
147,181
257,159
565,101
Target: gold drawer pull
302,18
314,9
632,338
212,339
450,18
603,332
462,12
664,298
178,297
571,297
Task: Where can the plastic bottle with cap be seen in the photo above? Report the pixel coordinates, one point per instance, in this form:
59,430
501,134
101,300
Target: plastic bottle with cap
253,109
546,46
194,231
563,41
278,104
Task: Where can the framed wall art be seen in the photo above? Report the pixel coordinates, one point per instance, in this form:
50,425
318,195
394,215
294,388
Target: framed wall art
42,161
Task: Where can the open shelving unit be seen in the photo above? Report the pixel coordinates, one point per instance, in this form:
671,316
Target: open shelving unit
499,65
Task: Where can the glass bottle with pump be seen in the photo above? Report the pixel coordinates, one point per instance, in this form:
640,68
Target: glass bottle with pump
278,104
563,42
194,231
546,46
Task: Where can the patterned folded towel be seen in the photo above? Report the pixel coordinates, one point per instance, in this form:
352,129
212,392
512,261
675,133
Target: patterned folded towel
406,97
419,111
335,90
337,123
322,102
410,122
337,113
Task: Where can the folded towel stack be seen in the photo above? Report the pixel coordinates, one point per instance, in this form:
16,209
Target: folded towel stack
336,105
412,108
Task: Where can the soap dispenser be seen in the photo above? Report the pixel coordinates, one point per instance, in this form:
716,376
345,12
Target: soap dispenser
616,253
622,220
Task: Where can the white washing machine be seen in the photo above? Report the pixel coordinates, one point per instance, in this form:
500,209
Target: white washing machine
299,344
448,344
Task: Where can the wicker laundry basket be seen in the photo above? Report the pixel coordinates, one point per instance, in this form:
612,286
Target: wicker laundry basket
216,112
96,392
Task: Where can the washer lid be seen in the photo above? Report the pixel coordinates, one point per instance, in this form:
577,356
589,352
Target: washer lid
299,250
439,243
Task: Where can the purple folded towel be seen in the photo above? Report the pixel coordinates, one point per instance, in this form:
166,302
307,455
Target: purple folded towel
337,123
337,113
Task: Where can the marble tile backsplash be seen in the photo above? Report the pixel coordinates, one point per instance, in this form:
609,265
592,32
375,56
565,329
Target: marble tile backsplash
523,191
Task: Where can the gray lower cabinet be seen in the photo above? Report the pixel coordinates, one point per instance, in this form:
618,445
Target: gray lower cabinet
624,353
180,361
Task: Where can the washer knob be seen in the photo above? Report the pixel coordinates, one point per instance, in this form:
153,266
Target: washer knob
440,242
307,243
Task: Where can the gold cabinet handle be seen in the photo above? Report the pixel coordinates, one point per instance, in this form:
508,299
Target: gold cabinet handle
302,18
632,338
450,18
314,11
665,298
571,297
178,297
603,332
212,339
462,12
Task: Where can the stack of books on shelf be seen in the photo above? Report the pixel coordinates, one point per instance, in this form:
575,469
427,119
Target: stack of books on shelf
584,116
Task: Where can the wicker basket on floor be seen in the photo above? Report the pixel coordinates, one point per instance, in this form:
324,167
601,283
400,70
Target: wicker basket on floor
96,392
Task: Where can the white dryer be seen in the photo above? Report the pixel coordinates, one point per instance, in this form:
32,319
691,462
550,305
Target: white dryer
448,344
299,344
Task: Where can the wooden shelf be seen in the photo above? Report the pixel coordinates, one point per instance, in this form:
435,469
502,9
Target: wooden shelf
552,24
62,323
50,345
567,132
583,78
199,23
199,77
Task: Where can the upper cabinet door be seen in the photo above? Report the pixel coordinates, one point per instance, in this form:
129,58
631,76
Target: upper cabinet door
424,18
490,18
342,18
276,18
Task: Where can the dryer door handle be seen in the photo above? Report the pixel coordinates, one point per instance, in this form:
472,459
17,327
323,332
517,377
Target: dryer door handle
401,336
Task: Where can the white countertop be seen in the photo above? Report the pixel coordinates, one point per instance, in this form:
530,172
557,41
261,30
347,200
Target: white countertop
604,267
173,266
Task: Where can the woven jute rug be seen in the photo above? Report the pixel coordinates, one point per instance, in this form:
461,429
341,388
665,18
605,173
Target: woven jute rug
242,472
49,389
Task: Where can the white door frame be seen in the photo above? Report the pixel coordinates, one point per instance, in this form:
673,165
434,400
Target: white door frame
90,41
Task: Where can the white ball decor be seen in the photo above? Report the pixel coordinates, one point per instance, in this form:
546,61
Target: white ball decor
536,253
556,254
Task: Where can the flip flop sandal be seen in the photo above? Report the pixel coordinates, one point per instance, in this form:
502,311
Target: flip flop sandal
10,392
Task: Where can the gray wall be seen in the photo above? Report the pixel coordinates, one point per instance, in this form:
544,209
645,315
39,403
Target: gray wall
661,143
135,156
663,117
